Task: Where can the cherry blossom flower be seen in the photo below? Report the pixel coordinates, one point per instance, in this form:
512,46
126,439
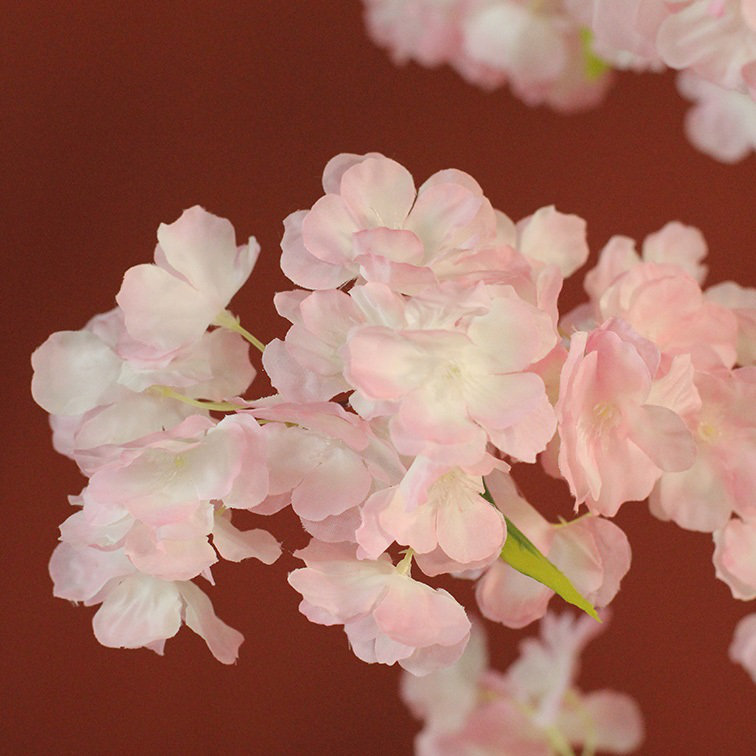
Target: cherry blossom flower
591,551
197,269
722,122
742,301
721,479
387,616
735,557
743,647
105,389
615,440
136,609
539,50
532,708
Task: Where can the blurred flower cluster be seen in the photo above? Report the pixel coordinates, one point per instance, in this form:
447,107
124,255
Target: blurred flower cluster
562,53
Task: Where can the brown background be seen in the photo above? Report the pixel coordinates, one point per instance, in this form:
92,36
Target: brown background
116,116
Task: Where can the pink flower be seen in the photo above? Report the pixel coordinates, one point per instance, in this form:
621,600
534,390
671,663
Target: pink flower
425,30
452,520
533,708
722,122
735,557
98,384
723,476
137,610
387,616
615,441
743,647
452,391
198,268
372,223
741,300
591,551
318,458
688,324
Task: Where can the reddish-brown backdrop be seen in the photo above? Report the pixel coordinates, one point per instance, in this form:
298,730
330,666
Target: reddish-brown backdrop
116,116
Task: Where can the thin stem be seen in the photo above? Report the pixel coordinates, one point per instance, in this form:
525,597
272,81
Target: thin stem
201,403
227,320
405,565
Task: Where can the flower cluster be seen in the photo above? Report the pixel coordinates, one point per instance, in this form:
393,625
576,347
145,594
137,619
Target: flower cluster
561,52
542,50
532,708
426,355
164,476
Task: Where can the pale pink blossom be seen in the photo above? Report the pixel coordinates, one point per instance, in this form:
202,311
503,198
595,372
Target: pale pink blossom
721,122
426,31
673,244
723,476
537,49
743,647
137,610
387,616
452,520
532,708
715,40
198,269
735,557
105,389
742,301
591,551
453,391
316,458
373,224
615,440
162,490
687,324
553,238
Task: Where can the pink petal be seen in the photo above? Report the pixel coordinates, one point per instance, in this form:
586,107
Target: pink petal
138,611
222,640
378,192
236,545
509,597
73,372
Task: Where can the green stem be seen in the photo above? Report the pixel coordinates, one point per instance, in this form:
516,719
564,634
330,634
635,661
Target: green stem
405,565
227,320
201,403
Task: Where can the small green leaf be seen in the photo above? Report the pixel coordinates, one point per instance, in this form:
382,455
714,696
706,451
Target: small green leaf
520,553
593,66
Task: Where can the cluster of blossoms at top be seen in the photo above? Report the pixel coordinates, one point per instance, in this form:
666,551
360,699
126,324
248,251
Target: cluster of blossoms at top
426,355
533,708
561,53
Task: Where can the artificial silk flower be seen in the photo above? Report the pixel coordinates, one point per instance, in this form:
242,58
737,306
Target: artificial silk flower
673,244
721,479
388,616
372,224
426,356
735,557
742,301
743,647
452,520
561,53
136,609
198,268
540,51
615,442
532,708
104,389
591,551
721,122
